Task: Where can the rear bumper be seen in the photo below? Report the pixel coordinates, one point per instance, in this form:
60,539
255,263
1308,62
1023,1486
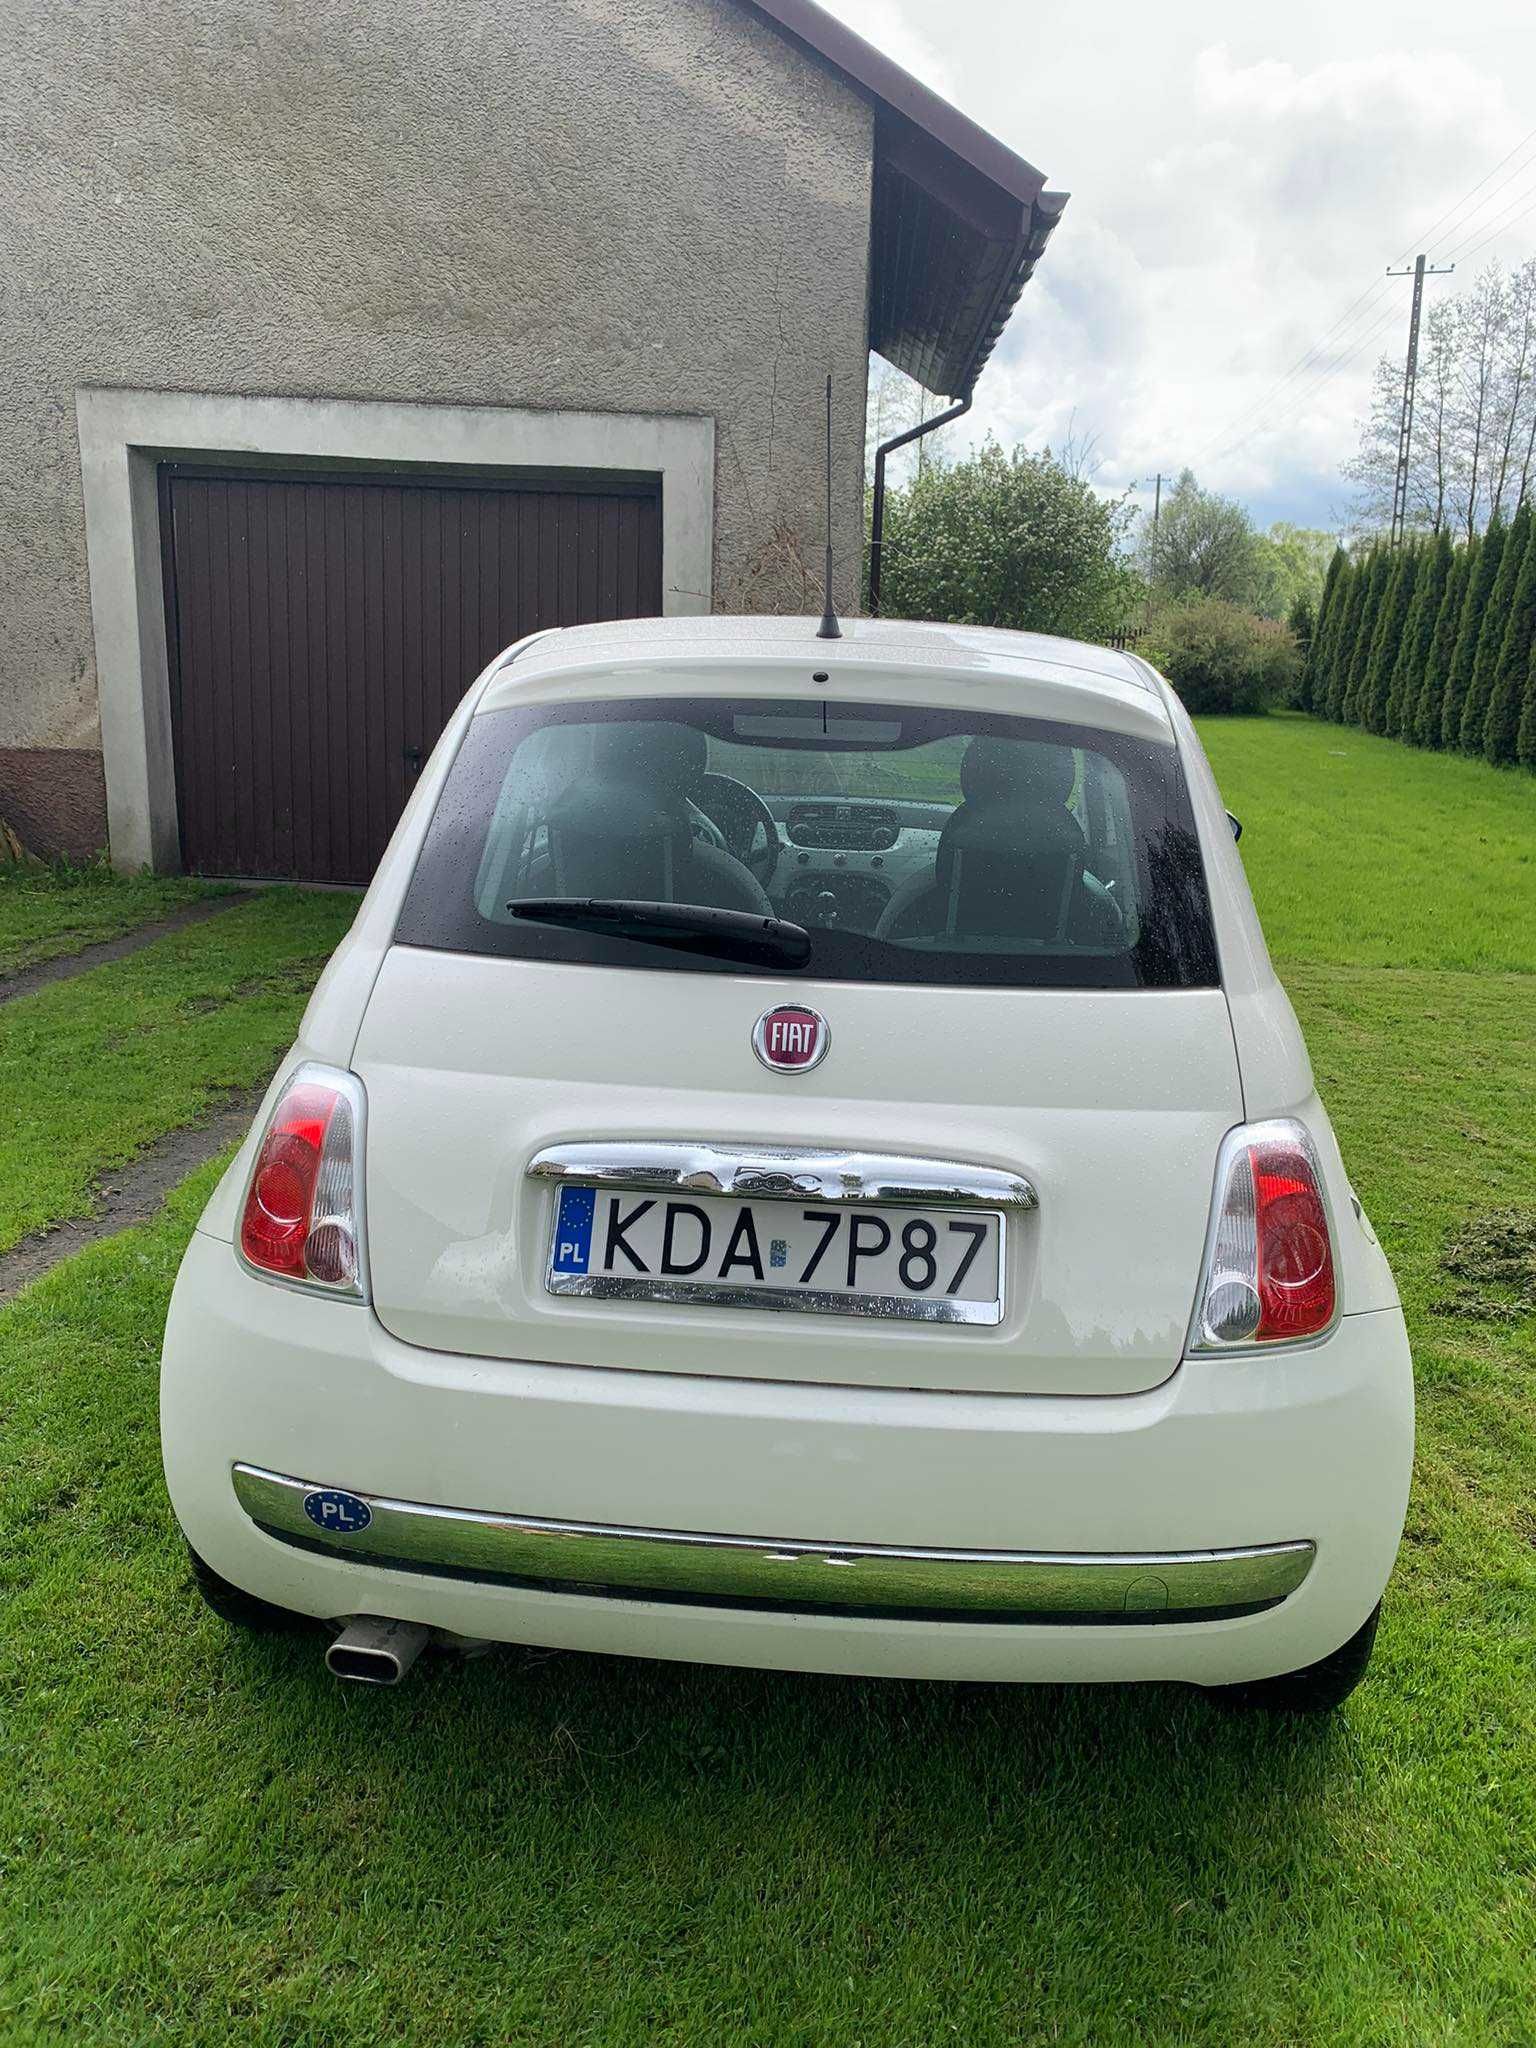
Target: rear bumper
1238,1521
876,1580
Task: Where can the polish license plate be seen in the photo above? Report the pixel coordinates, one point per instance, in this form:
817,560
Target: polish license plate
854,1259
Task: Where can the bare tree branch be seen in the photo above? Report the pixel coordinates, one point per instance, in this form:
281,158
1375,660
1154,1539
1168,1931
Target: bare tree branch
1473,452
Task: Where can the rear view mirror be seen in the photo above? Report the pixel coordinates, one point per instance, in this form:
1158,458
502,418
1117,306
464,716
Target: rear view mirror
1236,824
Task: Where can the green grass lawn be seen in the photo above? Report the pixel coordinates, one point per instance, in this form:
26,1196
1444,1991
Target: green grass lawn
93,1069
47,912
202,1838
1365,853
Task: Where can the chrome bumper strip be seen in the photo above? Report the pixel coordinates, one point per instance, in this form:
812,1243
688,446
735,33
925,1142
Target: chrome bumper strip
862,1578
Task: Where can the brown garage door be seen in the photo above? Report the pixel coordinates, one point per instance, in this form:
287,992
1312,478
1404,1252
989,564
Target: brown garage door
323,628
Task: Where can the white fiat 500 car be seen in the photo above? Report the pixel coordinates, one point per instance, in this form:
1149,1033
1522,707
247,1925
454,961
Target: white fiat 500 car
802,1161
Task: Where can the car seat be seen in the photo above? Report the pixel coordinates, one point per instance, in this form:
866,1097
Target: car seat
632,831
1011,860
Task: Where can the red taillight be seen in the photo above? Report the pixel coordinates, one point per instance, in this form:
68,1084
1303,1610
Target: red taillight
1295,1256
1269,1272
300,1218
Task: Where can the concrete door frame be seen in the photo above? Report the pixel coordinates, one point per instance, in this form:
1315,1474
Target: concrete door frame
125,435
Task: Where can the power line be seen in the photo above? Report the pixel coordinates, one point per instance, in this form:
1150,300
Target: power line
1300,397
1433,229
1278,422
1492,222
1372,292
1504,230
1501,226
1501,222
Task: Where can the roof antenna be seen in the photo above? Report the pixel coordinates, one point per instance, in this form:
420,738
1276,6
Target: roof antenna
829,629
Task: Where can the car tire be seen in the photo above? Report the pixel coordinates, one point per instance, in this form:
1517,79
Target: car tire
240,1609
1315,1689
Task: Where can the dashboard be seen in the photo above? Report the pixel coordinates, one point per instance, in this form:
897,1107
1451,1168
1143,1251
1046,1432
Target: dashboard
840,859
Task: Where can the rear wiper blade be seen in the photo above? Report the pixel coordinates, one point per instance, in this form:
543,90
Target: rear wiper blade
691,927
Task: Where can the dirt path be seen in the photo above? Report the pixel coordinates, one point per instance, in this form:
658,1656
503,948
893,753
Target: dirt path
27,980
133,1193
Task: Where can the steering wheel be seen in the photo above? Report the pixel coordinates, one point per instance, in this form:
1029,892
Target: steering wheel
744,822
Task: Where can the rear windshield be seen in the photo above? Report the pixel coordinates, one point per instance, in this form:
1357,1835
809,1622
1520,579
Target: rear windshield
913,845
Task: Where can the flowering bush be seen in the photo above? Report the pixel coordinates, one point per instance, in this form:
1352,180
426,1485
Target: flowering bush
1222,658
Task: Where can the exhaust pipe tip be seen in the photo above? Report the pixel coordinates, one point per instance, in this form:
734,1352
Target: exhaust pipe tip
372,1651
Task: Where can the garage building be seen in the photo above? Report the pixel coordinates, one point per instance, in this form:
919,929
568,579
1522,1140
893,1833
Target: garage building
346,344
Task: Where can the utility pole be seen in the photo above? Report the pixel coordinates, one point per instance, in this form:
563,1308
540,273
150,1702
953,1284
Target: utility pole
1410,375
1157,513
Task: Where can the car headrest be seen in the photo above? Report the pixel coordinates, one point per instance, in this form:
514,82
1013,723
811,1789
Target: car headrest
1016,771
658,756
1018,839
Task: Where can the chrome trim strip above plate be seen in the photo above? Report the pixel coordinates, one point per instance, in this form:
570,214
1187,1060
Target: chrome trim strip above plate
818,1301
789,1174
596,1558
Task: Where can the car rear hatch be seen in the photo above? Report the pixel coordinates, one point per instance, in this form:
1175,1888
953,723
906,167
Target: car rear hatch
1008,1036
1109,1104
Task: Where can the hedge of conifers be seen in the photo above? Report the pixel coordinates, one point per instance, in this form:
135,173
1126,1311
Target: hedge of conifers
1433,643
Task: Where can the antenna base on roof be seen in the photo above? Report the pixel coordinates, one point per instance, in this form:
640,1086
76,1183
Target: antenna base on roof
829,629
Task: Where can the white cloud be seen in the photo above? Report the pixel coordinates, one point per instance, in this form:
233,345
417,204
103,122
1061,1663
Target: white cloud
1236,185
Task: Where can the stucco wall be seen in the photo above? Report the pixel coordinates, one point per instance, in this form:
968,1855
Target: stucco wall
631,205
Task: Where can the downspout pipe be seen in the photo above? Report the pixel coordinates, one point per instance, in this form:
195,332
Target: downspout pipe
877,517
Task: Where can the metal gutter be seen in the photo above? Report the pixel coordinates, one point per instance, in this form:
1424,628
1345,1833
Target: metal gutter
1044,216
877,516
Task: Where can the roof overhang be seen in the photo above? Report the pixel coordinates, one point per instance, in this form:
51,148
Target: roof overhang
958,221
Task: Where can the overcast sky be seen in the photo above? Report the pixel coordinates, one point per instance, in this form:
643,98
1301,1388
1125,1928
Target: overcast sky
1239,177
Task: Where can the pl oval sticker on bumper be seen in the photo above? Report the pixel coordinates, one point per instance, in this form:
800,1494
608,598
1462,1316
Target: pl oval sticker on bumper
337,1513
